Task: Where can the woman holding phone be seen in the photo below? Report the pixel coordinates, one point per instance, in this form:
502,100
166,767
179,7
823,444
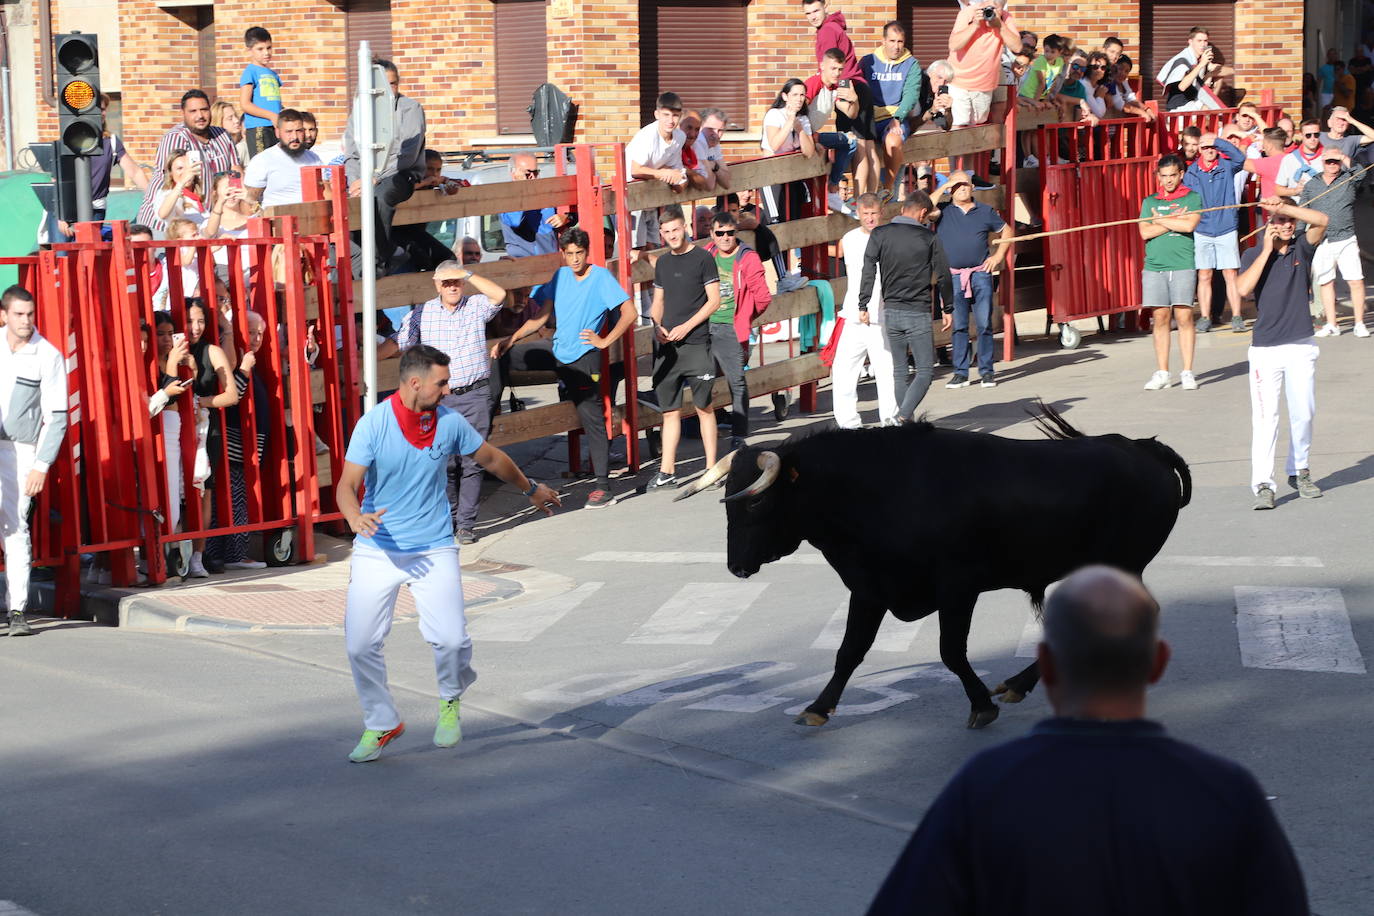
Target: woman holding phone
182,195
227,217
787,129
215,390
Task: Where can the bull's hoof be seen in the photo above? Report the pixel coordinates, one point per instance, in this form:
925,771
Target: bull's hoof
812,719
982,718
1007,694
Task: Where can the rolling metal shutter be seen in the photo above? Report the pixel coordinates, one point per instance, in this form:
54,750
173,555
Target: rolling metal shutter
700,50
928,23
522,64
370,21
1164,28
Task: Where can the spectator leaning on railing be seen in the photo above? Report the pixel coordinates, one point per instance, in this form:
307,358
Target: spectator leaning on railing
981,32
894,77
711,165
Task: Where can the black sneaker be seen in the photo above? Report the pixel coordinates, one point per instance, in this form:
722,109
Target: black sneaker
18,625
466,536
661,480
1264,498
957,381
1304,485
988,381
600,499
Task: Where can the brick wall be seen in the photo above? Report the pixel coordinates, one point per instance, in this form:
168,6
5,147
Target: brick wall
448,71
1268,53
160,53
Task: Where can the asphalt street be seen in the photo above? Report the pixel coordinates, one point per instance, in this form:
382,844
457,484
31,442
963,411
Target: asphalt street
628,743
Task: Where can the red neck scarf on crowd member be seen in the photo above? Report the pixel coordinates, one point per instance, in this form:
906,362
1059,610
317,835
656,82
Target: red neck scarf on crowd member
194,198
1178,192
1206,166
1312,158
1290,147
155,272
689,157
417,426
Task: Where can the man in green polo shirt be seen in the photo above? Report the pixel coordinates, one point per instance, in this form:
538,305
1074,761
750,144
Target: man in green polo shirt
1169,279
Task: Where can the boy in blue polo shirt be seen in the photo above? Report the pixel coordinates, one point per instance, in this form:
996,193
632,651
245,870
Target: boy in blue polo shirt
259,93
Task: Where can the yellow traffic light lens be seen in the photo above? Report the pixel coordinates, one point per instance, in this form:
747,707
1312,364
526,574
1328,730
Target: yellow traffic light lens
78,95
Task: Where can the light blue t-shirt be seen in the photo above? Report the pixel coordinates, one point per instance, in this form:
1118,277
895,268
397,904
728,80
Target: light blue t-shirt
409,482
1327,76
579,305
266,92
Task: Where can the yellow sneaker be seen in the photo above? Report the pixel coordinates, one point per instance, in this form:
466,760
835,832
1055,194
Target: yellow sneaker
371,743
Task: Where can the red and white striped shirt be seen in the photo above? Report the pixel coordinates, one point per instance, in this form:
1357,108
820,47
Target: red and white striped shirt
215,155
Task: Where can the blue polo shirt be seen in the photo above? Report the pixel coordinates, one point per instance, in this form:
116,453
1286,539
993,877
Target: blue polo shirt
526,232
965,235
579,305
409,482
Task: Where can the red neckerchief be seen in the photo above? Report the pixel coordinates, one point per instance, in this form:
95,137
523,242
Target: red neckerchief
1290,147
689,157
155,274
1312,158
193,197
1206,166
418,426
1180,191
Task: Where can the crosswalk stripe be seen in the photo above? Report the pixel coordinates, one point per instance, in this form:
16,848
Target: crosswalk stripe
1309,562
1300,629
893,636
697,614
688,557
1031,635
523,622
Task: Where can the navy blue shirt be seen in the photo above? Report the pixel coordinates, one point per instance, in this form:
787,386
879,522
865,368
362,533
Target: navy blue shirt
1281,294
1089,818
965,235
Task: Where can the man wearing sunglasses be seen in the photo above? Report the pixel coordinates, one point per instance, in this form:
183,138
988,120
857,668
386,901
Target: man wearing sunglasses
744,296
455,324
1303,162
530,232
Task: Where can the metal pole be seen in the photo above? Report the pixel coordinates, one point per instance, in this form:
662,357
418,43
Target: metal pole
82,180
8,118
366,134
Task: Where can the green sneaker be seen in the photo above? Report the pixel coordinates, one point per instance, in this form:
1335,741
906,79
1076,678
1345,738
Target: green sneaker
449,729
371,743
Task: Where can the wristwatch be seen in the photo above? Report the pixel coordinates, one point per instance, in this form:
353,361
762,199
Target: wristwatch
534,485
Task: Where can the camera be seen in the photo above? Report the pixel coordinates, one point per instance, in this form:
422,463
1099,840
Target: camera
989,14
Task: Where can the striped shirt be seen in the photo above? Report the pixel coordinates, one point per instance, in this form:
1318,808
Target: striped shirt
216,155
460,333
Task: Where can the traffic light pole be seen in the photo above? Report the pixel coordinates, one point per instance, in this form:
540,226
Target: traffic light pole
82,179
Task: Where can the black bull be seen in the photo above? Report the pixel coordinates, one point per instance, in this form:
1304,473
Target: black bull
918,520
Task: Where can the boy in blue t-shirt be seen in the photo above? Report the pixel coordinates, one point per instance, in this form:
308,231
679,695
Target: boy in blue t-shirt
259,93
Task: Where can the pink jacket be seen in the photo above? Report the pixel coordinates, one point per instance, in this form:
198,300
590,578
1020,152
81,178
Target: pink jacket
834,34
975,50
752,297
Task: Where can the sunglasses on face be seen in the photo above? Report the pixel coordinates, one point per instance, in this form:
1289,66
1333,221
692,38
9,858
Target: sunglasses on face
451,283
1314,133
723,233
530,173
1209,146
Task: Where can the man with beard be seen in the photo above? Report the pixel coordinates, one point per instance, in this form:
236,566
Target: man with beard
273,176
400,450
212,147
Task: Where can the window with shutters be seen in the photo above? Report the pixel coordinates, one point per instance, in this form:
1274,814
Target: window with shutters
522,62
369,21
1164,28
928,24
700,50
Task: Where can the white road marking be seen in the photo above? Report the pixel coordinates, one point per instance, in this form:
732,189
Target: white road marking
10,908
582,689
698,614
523,622
1031,634
679,688
688,557
893,636
1300,629
1309,562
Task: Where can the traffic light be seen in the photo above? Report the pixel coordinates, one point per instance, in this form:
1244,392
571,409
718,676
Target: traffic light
79,120
58,196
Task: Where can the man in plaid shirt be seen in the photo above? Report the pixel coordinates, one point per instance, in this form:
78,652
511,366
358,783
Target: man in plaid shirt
211,147
456,324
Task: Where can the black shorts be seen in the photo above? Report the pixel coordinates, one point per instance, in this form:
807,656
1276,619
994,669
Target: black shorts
684,362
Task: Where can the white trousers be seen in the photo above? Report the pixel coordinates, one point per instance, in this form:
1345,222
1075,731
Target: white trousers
857,341
171,450
16,460
374,581
1290,368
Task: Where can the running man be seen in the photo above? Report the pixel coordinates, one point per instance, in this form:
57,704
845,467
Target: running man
400,449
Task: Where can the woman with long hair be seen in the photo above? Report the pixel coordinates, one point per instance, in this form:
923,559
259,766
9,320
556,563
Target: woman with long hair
224,114
215,390
787,129
182,194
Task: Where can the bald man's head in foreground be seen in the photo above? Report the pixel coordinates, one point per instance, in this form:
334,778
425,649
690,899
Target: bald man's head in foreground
1101,647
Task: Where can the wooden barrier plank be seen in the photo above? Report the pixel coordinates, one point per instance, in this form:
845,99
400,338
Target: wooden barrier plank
752,173
939,144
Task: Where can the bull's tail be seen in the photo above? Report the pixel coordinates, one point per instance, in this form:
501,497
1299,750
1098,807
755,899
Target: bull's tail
1052,423
1175,461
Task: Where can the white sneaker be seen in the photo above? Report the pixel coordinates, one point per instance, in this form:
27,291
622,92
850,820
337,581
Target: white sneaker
1328,330
246,564
196,568
1157,381
1030,162
1361,330
1187,381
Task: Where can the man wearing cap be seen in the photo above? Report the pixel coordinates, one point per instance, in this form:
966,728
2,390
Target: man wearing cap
1216,245
455,324
1332,191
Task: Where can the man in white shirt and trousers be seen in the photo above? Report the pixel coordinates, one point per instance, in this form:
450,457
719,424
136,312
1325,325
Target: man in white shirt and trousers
860,338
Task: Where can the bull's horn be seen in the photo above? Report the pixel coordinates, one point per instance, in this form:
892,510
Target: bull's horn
769,464
713,477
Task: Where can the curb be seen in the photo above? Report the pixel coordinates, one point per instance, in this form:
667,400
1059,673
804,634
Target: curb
142,609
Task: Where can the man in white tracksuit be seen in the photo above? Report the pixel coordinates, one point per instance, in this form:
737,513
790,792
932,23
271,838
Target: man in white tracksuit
400,449
859,339
1283,354
33,399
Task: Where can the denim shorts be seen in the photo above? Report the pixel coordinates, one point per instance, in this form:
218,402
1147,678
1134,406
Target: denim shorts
1163,288
1216,252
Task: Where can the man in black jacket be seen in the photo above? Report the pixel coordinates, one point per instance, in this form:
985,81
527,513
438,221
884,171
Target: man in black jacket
912,262
1098,810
